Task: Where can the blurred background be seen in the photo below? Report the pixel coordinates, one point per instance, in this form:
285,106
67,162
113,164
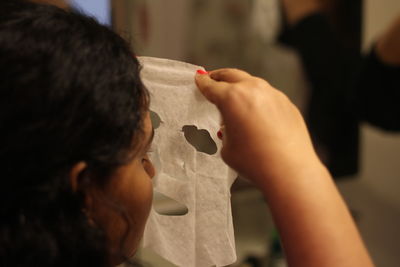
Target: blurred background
253,35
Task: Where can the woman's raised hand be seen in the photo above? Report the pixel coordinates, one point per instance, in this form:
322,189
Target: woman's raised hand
264,133
265,139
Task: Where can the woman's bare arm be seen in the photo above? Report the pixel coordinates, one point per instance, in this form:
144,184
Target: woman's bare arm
266,140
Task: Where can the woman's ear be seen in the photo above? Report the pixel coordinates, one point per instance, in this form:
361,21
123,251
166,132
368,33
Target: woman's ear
79,183
76,176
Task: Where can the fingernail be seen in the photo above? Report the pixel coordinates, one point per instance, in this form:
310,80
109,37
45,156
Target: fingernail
220,135
202,72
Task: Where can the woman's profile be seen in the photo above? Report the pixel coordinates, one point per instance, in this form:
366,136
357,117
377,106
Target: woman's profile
76,185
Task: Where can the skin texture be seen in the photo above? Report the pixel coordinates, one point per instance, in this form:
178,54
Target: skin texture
122,206
314,223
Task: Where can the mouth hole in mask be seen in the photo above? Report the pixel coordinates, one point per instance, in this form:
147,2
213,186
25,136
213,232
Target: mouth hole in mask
200,139
165,205
155,119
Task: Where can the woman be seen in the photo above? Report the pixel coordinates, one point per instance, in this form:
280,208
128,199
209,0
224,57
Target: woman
76,181
76,187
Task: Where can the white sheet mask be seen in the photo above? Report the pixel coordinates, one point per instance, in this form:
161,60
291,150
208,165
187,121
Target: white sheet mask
194,176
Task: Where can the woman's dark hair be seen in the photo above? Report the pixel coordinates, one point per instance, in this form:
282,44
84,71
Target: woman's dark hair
69,91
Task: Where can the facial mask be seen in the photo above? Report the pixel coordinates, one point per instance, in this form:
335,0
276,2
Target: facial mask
186,155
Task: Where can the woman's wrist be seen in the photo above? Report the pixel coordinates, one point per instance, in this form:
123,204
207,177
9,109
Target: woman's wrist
291,172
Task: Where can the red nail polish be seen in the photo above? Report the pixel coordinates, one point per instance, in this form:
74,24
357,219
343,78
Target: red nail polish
202,72
220,135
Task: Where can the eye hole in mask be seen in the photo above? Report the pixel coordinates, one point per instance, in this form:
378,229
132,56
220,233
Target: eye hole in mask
155,119
200,139
165,205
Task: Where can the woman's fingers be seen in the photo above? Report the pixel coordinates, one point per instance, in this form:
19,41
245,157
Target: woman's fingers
229,75
215,84
221,132
211,89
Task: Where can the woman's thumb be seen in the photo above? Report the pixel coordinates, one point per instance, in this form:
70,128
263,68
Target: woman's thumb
211,89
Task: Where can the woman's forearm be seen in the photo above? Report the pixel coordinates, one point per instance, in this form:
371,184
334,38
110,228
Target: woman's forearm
315,225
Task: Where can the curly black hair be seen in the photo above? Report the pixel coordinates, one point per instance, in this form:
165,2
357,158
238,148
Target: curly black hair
70,91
